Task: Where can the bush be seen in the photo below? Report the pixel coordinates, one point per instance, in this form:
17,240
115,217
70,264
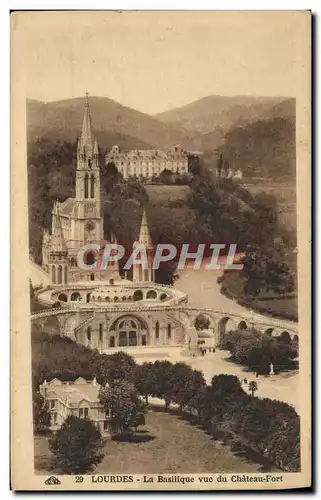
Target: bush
77,446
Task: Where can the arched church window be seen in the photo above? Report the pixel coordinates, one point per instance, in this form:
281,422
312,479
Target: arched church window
157,330
92,186
89,162
146,272
140,273
66,274
86,181
89,333
53,273
59,278
169,331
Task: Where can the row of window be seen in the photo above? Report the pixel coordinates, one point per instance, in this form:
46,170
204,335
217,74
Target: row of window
59,275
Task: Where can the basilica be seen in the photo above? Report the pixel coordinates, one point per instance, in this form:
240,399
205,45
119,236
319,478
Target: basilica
78,221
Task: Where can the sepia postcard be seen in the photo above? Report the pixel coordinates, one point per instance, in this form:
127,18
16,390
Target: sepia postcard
160,262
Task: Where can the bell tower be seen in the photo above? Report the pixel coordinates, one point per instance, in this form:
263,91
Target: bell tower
90,223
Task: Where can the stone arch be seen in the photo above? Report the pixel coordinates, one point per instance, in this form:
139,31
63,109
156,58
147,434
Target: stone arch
88,333
206,318
285,337
169,331
269,331
130,330
151,294
116,299
66,275
242,325
88,296
51,325
70,324
296,338
138,295
225,325
75,296
63,297
163,296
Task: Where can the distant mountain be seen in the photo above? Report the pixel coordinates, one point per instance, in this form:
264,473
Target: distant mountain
112,122
264,148
221,113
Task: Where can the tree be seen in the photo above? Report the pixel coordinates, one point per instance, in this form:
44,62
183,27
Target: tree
144,379
162,381
166,177
77,446
266,269
202,322
122,400
185,384
41,414
226,384
120,366
253,387
166,275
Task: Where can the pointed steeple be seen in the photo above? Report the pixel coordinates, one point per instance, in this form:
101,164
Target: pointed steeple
58,243
144,235
86,139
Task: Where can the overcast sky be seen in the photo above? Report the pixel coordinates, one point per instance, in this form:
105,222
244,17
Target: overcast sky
156,61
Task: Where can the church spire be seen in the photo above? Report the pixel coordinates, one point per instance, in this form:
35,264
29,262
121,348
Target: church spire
87,139
58,243
144,235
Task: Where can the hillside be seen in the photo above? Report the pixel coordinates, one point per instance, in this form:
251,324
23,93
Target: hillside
220,113
112,122
264,148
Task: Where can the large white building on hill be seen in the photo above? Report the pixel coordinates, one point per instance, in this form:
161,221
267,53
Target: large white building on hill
148,163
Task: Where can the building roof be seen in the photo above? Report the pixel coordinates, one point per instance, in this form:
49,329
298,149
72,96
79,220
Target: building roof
149,154
69,207
75,392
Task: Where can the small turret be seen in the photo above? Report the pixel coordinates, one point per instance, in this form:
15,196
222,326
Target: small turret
144,241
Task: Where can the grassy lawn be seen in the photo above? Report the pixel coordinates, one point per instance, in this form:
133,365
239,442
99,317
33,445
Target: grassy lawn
167,444
162,194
